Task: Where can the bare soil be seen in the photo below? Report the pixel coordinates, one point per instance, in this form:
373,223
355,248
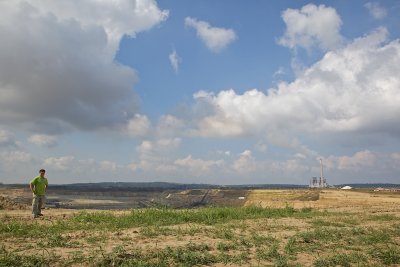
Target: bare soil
327,199
363,203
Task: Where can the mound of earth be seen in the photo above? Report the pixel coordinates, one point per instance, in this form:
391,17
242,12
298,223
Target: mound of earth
312,195
7,204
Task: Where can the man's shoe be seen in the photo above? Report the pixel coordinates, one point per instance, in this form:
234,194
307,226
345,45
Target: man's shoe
35,216
40,214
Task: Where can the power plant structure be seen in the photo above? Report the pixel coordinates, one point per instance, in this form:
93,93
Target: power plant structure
321,181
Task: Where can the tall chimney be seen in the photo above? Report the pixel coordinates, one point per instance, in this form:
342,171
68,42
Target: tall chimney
322,169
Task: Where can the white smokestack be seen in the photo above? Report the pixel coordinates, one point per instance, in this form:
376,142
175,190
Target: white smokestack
322,169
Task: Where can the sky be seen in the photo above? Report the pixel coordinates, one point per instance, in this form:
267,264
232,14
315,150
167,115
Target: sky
201,91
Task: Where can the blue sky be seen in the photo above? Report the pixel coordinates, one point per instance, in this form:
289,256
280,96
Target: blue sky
223,92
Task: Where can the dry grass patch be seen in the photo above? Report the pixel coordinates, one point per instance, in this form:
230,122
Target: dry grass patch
241,236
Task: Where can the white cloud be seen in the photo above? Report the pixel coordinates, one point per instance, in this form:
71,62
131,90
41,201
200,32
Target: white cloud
155,153
169,125
377,11
16,157
117,18
70,164
216,39
175,61
269,171
139,125
133,166
64,163
245,163
280,71
7,138
396,157
355,162
65,75
198,167
352,90
43,140
312,26
225,153
261,146
107,165
16,166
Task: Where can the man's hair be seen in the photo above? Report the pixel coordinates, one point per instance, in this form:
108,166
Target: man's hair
42,170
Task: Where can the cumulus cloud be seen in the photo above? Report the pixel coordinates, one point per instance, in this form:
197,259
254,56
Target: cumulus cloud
107,165
174,60
377,11
216,39
154,153
63,163
169,125
355,162
139,125
70,169
16,157
43,140
352,90
166,144
198,167
311,26
58,69
7,139
245,163
115,18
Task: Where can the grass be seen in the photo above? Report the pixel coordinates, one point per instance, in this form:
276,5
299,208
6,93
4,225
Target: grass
345,260
160,217
248,236
387,254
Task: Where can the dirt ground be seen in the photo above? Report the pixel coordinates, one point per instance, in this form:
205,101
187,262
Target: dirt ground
363,202
327,199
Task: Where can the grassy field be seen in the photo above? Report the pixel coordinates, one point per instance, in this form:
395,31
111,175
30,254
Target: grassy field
273,228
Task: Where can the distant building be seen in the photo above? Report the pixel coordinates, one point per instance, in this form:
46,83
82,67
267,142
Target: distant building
319,182
346,187
392,190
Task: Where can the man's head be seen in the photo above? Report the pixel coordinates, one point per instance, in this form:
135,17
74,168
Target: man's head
42,172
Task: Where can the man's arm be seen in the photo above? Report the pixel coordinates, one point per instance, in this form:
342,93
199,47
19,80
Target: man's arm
32,187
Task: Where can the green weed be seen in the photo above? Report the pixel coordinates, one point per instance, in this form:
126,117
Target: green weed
387,254
58,240
375,236
384,217
224,233
345,260
226,246
320,223
260,240
11,259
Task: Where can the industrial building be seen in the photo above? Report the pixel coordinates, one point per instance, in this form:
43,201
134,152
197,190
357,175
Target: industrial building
319,182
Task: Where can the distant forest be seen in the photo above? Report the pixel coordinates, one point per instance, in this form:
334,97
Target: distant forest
161,186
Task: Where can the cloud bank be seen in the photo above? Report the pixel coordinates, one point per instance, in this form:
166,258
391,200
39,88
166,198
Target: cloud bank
351,90
57,68
43,140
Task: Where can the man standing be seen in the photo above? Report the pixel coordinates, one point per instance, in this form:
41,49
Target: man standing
38,187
